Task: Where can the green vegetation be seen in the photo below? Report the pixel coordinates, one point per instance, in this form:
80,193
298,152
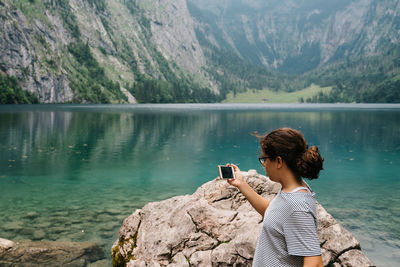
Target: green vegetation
177,91
90,80
269,96
99,5
308,59
117,258
237,75
387,91
32,9
374,79
42,41
365,79
66,14
11,92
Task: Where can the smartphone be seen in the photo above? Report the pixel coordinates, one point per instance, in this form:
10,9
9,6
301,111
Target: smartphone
226,172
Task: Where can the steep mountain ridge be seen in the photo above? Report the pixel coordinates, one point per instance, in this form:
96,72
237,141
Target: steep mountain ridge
113,51
23,54
299,36
44,45
173,32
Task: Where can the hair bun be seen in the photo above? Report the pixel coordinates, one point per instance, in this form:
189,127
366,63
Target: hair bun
310,163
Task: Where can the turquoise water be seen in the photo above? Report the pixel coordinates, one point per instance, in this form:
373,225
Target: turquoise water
75,172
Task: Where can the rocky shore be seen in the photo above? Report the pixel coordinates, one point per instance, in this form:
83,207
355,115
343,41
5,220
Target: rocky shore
50,253
216,226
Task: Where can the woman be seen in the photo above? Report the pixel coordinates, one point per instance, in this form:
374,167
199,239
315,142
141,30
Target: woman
289,231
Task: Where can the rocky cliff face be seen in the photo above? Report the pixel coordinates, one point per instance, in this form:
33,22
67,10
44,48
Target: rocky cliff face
28,48
298,36
216,226
126,38
172,30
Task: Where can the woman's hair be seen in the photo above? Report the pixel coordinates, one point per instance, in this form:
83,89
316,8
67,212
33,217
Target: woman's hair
291,146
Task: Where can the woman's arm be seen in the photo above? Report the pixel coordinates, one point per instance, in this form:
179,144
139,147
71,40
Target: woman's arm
313,261
259,203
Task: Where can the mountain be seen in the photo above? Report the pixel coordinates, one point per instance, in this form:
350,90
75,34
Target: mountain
127,51
298,36
352,46
102,51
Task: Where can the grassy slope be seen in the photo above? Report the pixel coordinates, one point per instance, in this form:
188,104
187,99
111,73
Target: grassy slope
269,96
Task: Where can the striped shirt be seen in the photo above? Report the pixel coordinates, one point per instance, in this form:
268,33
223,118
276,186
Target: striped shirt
289,230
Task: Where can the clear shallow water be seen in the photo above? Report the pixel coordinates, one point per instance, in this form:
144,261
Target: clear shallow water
75,172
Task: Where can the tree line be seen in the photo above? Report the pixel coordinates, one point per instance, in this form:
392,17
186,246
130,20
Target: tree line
374,79
12,93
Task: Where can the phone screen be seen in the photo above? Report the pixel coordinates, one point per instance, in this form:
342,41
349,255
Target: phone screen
226,172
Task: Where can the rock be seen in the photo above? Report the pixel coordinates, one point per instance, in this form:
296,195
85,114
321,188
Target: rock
13,226
32,215
101,263
138,263
327,256
60,214
57,230
337,239
354,257
201,258
131,98
47,253
216,226
43,224
324,218
179,260
5,244
173,32
223,255
20,56
39,234
112,212
26,231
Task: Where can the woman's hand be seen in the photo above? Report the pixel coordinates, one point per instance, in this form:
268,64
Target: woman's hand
259,203
239,178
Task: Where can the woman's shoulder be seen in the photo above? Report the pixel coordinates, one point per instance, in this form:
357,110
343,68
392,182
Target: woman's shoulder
301,201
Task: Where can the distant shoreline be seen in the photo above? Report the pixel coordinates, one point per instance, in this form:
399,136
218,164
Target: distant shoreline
217,106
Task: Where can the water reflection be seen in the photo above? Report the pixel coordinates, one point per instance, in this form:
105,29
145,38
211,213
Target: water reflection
96,166
48,143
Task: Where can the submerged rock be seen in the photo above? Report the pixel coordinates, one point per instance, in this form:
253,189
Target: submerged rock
48,253
5,244
216,226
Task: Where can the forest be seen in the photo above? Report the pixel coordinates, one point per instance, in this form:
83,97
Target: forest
374,79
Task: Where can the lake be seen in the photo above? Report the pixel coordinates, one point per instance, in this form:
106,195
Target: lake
74,172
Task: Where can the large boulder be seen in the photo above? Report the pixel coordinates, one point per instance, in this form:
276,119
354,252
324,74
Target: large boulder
49,253
216,226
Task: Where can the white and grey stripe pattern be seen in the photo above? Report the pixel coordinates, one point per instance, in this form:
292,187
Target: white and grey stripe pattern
289,231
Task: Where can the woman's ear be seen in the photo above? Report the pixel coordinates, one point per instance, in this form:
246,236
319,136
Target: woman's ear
279,162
